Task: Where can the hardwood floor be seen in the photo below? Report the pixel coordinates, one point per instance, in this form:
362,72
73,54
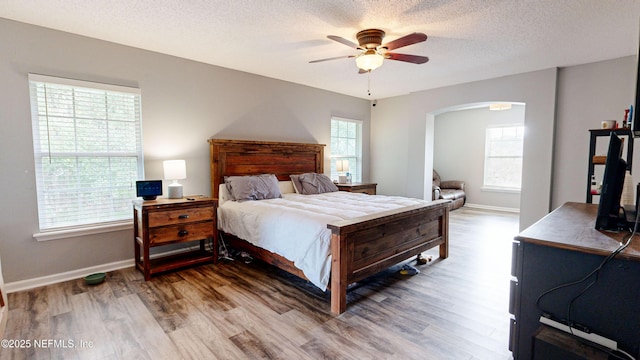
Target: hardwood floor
454,309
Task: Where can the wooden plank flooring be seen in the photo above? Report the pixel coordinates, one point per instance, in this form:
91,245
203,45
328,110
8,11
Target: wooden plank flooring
454,309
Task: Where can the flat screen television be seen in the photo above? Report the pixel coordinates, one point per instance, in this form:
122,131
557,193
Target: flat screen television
148,189
610,216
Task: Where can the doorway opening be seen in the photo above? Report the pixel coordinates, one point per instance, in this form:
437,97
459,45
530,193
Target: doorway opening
481,144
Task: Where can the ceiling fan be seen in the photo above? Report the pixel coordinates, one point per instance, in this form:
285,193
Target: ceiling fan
373,52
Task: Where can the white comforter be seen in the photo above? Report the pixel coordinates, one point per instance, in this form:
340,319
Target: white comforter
295,226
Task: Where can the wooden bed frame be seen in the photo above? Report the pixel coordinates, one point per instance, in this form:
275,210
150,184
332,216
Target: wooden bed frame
360,247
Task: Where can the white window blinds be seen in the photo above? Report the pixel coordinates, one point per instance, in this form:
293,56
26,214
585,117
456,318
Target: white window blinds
503,157
88,151
346,144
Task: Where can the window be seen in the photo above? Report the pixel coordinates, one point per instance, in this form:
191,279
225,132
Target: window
503,158
346,144
87,149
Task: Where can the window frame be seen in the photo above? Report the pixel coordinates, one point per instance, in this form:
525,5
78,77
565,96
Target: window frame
42,150
356,157
494,187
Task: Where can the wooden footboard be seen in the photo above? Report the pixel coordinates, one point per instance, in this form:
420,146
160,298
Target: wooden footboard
367,245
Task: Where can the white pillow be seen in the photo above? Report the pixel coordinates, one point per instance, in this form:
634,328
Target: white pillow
223,194
286,187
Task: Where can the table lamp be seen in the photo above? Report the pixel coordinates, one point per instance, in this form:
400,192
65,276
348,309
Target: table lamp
342,166
175,170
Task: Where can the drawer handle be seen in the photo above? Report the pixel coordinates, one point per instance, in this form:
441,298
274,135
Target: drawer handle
183,233
185,216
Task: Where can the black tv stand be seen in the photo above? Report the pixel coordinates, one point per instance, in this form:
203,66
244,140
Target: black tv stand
563,247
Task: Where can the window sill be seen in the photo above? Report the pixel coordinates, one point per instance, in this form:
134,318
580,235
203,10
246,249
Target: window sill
75,232
500,189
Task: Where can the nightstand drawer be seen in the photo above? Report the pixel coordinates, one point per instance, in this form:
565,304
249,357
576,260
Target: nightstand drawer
363,188
368,191
180,233
180,216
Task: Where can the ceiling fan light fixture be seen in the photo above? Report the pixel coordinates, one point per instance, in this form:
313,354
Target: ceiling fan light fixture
370,60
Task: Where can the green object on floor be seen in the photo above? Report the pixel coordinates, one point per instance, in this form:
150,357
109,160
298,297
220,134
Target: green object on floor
95,279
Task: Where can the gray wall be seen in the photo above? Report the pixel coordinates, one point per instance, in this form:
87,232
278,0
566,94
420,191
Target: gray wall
588,94
561,106
183,104
402,131
459,147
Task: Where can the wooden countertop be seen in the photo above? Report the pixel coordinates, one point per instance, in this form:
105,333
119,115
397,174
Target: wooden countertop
572,227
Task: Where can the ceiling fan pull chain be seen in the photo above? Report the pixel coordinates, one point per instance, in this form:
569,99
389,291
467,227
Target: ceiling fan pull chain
369,82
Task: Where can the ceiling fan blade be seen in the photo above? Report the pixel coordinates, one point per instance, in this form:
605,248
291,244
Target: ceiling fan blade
331,58
415,59
344,41
405,41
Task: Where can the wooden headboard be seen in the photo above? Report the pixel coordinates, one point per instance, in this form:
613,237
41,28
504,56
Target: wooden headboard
244,157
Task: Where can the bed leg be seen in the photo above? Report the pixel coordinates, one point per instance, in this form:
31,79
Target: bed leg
444,250
338,300
338,275
444,247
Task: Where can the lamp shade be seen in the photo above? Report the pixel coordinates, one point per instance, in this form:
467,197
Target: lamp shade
174,169
342,165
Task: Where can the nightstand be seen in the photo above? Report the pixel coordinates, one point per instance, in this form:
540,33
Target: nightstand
365,188
170,221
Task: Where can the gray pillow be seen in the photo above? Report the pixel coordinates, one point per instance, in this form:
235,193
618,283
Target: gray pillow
313,183
258,187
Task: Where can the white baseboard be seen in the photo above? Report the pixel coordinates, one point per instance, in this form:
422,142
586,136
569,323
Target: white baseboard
492,208
65,276
77,274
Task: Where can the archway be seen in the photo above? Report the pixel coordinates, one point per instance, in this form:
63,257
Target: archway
456,148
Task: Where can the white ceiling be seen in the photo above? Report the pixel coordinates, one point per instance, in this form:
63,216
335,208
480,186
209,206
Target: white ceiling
469,40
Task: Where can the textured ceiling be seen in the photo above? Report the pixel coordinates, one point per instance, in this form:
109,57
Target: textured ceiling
469,40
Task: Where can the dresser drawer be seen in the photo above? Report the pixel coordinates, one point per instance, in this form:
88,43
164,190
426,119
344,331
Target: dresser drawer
180,216
181,232
514,297
513,335
516,259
